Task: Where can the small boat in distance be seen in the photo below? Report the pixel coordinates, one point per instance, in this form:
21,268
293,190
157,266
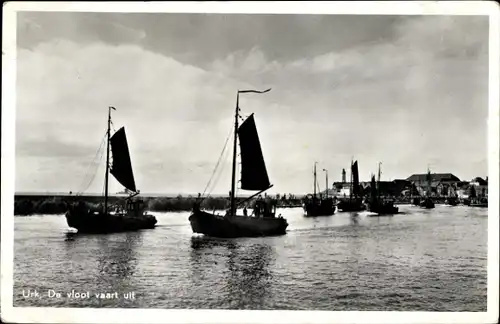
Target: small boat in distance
119,218
382,207
475,201
427,202
263,221
480,202
318,206
355,201
452,199
414,195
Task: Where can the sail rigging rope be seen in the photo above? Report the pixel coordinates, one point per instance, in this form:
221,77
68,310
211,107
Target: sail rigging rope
217,165
218,175
92,164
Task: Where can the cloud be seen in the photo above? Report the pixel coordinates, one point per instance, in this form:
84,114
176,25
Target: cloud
405,101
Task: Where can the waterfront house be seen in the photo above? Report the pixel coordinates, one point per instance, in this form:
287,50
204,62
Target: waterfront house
440,183
340,189
421,179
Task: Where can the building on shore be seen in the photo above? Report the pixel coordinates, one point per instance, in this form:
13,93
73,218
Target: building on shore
442,185
393,188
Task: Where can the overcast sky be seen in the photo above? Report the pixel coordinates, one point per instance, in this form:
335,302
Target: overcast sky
409,91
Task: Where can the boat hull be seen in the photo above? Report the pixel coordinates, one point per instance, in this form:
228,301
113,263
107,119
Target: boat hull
236,226
481,205
314,208
351,206
89,222
427,204
383,209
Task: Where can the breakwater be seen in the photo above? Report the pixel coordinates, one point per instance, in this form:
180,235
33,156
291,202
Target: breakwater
45,205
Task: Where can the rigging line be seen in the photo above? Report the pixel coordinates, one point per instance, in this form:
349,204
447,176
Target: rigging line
95,171
218,161
219,173
92,162
93,165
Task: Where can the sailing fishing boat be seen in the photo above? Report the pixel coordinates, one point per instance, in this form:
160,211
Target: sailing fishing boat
263,221
377,205
355,202
110,219
414,195
318,206
428,203
475,201
452,197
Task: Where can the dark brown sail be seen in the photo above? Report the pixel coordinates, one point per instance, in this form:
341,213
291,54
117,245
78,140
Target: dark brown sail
355,179
253,168
121,168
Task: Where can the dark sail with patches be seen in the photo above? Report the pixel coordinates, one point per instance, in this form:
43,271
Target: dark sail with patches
355,179
121,167
253,168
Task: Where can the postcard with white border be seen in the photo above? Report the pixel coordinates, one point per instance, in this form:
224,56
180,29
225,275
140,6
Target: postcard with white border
250,162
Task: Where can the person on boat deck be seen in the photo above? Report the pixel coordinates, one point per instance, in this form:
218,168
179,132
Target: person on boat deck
257,210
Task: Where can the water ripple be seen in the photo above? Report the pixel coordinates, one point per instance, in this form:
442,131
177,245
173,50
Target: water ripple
418,260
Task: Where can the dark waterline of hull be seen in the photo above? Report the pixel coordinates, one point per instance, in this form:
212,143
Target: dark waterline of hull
100,223
236,226
319,208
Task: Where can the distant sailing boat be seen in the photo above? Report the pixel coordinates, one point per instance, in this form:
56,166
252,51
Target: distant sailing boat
318,206
132,217
428,203
452,199
355,202
253,177
475,201
414,195
376,204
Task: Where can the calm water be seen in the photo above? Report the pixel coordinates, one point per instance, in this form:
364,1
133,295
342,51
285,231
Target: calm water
428,260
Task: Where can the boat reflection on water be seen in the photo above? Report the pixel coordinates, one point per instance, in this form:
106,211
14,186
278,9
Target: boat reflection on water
244,265
114,256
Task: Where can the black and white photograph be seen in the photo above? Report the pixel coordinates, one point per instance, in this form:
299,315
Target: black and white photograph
303,158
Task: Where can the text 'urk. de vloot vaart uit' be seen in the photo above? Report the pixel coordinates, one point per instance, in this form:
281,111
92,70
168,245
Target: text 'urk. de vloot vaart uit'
74,294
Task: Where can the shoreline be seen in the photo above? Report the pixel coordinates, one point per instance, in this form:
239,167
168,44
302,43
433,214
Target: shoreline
25,205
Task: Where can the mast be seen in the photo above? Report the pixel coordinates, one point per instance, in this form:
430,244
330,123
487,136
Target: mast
352,184
326,182
233,176
378,181
106,178
315,179
429,182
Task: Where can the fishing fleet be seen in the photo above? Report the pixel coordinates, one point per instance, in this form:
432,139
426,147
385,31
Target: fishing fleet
130,214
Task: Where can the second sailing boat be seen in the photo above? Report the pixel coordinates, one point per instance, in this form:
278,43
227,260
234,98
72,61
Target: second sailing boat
318,206
428,203
378,205
355,202
254,177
